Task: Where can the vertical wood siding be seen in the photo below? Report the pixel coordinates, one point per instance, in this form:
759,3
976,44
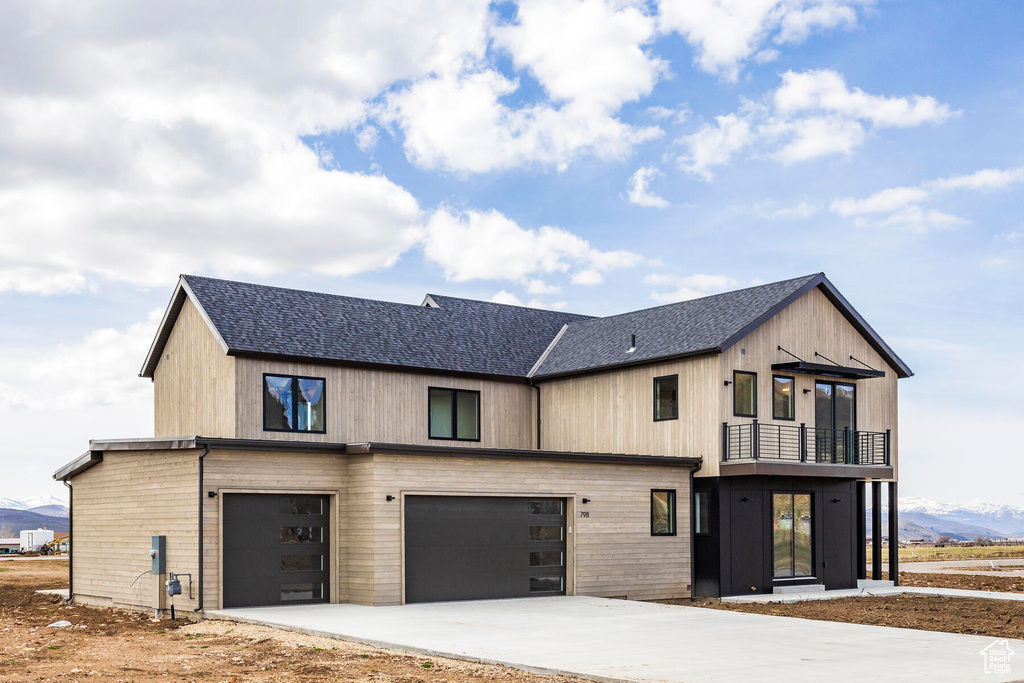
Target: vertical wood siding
613,411
194,382
386,406
809,324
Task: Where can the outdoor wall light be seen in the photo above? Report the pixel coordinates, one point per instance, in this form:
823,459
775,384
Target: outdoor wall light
585,501
807,391
745,499
211,494
727,382
389,498
837,500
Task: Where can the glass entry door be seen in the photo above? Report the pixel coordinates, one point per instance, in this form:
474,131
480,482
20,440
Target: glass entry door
835,410
792,549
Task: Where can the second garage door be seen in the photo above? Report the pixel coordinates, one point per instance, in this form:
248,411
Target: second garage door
474,548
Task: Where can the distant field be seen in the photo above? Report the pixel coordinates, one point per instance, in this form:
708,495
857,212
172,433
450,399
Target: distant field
979,552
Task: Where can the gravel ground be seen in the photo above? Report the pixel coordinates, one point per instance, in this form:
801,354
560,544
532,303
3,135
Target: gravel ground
115,645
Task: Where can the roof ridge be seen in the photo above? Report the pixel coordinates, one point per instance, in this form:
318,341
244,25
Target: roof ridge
185,276
500,303
709,296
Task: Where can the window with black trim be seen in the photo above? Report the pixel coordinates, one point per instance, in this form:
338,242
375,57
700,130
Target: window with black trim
744,393
453,414
701,509
666,398
663,512
783,398
293,404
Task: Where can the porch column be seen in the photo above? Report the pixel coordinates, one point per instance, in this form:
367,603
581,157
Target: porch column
861,510
876,530
894,535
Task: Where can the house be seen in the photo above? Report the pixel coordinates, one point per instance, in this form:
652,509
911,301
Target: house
318,448
9,545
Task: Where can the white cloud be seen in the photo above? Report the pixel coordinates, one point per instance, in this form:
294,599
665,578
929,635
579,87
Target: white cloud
686,287
903,207
715,145
535,286
639,193
99,370
675,115
826,91
506,297
769,209
725,33
811,114
475,245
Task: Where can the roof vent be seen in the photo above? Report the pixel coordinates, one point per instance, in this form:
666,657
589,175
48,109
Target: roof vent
632,344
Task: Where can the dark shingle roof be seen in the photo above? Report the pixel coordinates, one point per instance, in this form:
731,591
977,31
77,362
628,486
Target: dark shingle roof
480,337
461,335
679,329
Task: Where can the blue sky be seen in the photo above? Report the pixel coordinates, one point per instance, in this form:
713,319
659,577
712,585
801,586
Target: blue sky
592,155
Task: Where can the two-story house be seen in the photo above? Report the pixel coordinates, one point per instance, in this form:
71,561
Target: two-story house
319,448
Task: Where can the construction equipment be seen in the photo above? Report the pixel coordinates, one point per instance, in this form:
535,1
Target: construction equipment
54,546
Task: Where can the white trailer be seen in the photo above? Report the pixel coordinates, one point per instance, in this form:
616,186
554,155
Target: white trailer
34,539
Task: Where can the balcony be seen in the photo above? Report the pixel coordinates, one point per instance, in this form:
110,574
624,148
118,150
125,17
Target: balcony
847,450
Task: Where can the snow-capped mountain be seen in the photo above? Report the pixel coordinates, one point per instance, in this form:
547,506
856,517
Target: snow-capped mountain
1002,519
49,502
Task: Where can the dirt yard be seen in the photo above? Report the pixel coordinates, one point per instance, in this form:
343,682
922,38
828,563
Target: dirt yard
120,646
996,618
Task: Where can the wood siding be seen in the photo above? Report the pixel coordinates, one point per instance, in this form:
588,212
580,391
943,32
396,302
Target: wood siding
614,554
811,323
365,404
613,411
118,505
194,382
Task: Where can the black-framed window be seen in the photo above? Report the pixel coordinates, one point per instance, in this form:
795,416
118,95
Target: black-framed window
666,398
744,393
294,404
663,512
453,414
783,397
701,512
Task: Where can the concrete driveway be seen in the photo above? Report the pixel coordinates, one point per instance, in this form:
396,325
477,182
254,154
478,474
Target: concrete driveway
617,640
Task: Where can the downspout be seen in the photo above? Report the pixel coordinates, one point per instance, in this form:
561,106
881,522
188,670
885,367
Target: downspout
71,540
693,533
199,570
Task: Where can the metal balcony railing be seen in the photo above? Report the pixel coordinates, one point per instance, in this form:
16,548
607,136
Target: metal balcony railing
800,443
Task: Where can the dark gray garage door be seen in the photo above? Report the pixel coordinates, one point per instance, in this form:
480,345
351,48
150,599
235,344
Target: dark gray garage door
276,549
473,548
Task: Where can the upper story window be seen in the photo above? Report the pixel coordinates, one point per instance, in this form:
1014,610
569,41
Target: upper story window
783,398
666,398
744,393
454,414
293,404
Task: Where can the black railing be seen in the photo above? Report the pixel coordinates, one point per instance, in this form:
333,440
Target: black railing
793,443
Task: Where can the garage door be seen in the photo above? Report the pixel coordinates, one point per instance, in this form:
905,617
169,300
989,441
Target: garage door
276,549
473,548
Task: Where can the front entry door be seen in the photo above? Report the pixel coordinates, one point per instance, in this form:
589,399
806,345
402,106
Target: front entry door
792,546
835,412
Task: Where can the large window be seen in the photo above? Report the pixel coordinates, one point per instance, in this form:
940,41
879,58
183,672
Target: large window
663,512
792,553
666,398
454,414
744,394
293,404
783,398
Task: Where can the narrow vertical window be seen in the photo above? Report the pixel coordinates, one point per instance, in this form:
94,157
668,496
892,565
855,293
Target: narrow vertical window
663,512
666,398
744,393
700,512
293,404
453,414
783,398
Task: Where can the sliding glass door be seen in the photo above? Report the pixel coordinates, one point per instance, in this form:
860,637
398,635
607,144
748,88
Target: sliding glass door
835,409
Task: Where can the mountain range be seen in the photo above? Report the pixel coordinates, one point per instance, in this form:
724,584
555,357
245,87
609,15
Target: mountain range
47,512
928,520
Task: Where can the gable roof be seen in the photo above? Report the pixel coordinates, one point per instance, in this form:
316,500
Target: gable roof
447,335
707,325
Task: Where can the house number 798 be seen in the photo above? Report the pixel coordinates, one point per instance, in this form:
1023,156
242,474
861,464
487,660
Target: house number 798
584,513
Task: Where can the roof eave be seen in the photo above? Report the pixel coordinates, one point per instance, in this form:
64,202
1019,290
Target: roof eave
78,465
639,361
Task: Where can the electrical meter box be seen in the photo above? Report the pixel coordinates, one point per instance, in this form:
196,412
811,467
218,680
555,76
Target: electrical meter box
159,555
